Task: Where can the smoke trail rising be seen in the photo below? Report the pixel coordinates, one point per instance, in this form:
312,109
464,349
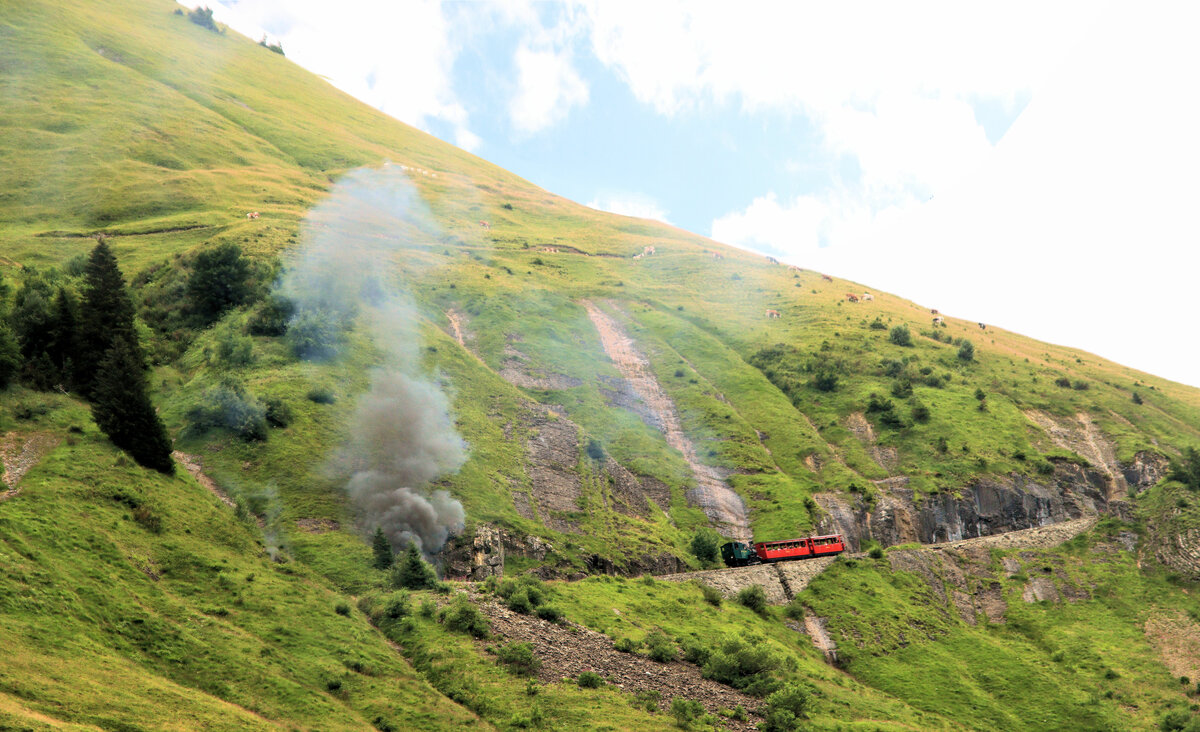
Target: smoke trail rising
402,434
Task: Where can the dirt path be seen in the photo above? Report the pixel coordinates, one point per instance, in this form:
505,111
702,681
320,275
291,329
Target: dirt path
1084,438
456,323
568,649
722,506
192,464
20,452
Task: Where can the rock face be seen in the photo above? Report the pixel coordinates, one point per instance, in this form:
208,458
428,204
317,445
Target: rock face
988,506
481,555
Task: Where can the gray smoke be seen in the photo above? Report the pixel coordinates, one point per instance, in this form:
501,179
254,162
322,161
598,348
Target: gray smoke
402,436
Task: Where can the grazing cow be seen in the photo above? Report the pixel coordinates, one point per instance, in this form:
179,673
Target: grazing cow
934,311
717,256
939,320
982,326
827,278
772,315
867,297
851,297
638,256
485,225
794,268
648,251
252,215
772,260
550,250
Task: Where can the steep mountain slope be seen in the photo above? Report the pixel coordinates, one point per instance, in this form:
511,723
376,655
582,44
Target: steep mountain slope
618,384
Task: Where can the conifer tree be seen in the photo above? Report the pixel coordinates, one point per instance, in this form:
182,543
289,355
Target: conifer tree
106,315
383,550
123,411
411,572
63,344
10,355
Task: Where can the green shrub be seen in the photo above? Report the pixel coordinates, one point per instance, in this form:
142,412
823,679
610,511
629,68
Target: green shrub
755,598
519,658
228,406
203,17
695,652
321,395
706,545
660,647
686,711
342,609
877,324
746,665
920,413
1063,381
626,645
463,617
148,519
900,336
428,607
399,607
902,389
519,602
966,352
785,709
876,552
711,594
589,680
549,613
314,335
648,700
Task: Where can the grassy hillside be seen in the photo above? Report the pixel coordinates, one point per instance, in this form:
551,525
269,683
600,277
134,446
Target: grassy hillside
125,593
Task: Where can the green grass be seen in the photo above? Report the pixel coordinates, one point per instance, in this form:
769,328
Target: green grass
126,119
109,623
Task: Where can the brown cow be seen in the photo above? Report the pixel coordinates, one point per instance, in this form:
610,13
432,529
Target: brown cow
772,314
252,215
485,225
827,278
851,297
934,311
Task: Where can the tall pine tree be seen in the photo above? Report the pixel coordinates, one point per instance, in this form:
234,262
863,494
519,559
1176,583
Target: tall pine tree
106,316
123,411
63,345
383,550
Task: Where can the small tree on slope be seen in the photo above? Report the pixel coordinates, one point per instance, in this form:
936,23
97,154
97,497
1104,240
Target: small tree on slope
123,410
383,550
106,316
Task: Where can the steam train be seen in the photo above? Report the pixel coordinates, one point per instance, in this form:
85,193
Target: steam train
740,553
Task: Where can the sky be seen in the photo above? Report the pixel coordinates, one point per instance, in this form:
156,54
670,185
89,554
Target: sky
1031,166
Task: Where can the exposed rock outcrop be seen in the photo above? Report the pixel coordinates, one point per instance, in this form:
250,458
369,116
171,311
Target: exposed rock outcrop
990,505
482,553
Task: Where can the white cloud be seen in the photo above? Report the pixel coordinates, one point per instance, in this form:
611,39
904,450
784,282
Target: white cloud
548,87
630,204
1077,228
397,57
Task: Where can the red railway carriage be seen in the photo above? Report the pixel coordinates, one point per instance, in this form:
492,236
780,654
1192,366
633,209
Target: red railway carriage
812,546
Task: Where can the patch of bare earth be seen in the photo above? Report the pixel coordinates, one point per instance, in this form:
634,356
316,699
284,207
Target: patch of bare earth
192,464
1082,437
721,504
317,525
553,450
567,650
456,325
1176,637
19,452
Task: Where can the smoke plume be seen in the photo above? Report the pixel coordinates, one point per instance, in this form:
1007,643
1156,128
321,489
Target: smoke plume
402,435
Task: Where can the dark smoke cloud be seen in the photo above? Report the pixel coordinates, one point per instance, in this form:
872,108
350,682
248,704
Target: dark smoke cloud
402,434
